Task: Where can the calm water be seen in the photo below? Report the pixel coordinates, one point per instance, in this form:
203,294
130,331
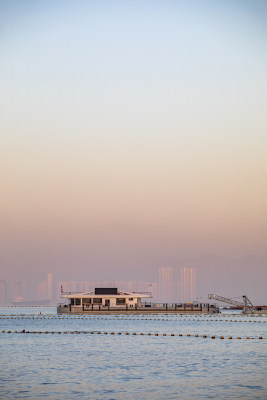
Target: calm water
97,366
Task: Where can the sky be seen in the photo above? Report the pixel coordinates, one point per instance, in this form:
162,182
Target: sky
132,134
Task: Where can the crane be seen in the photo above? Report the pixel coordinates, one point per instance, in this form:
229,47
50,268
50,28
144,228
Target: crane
247,305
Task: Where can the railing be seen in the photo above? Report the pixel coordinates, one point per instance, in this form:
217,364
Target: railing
135,307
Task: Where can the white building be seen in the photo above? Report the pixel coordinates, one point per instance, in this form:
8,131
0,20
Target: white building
104,298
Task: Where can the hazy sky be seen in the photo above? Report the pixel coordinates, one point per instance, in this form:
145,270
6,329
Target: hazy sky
131,132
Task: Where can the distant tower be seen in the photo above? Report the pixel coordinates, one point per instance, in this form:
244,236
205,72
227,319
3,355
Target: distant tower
50,286
165,284
187,285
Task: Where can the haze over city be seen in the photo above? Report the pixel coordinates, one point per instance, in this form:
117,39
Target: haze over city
133,137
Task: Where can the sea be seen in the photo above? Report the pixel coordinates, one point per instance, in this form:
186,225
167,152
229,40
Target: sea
131,356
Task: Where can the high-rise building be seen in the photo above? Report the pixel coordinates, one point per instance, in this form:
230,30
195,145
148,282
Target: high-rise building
187,285
50,286
166,284
20,291
42,291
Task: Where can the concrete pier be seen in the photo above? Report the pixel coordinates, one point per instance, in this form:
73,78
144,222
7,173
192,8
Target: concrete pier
175,309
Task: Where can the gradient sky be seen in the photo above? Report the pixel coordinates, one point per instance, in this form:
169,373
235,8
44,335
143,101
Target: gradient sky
131,132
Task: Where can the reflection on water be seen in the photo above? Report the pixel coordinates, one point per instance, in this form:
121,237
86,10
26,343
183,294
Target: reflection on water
86,366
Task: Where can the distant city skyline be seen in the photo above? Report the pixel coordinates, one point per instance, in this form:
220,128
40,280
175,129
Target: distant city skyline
174,284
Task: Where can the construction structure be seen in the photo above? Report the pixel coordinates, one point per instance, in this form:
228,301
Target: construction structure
246,305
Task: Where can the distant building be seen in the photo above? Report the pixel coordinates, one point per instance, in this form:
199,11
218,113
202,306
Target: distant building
45,292
50,286
187,283
165,284
20,291
42,291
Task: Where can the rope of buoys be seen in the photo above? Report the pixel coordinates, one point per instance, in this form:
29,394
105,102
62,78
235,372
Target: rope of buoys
209,318
127,333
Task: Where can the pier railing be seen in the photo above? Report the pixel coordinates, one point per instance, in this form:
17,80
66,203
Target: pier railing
199,307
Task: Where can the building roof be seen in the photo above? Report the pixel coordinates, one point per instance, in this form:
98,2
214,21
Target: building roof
119,294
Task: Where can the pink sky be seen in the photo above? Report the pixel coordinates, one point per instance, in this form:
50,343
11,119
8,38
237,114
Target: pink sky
129,138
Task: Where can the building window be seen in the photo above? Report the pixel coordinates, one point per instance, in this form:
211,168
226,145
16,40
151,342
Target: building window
77,302
130,299
120,301
72,302
97,300
86,301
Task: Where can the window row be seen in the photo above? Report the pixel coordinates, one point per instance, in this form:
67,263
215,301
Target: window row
96,300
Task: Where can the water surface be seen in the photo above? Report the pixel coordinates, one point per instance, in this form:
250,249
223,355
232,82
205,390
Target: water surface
105,366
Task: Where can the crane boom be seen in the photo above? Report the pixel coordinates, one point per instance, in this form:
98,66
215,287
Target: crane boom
247,305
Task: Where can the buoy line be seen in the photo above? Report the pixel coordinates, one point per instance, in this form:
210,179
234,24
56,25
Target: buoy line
90,318
130,333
